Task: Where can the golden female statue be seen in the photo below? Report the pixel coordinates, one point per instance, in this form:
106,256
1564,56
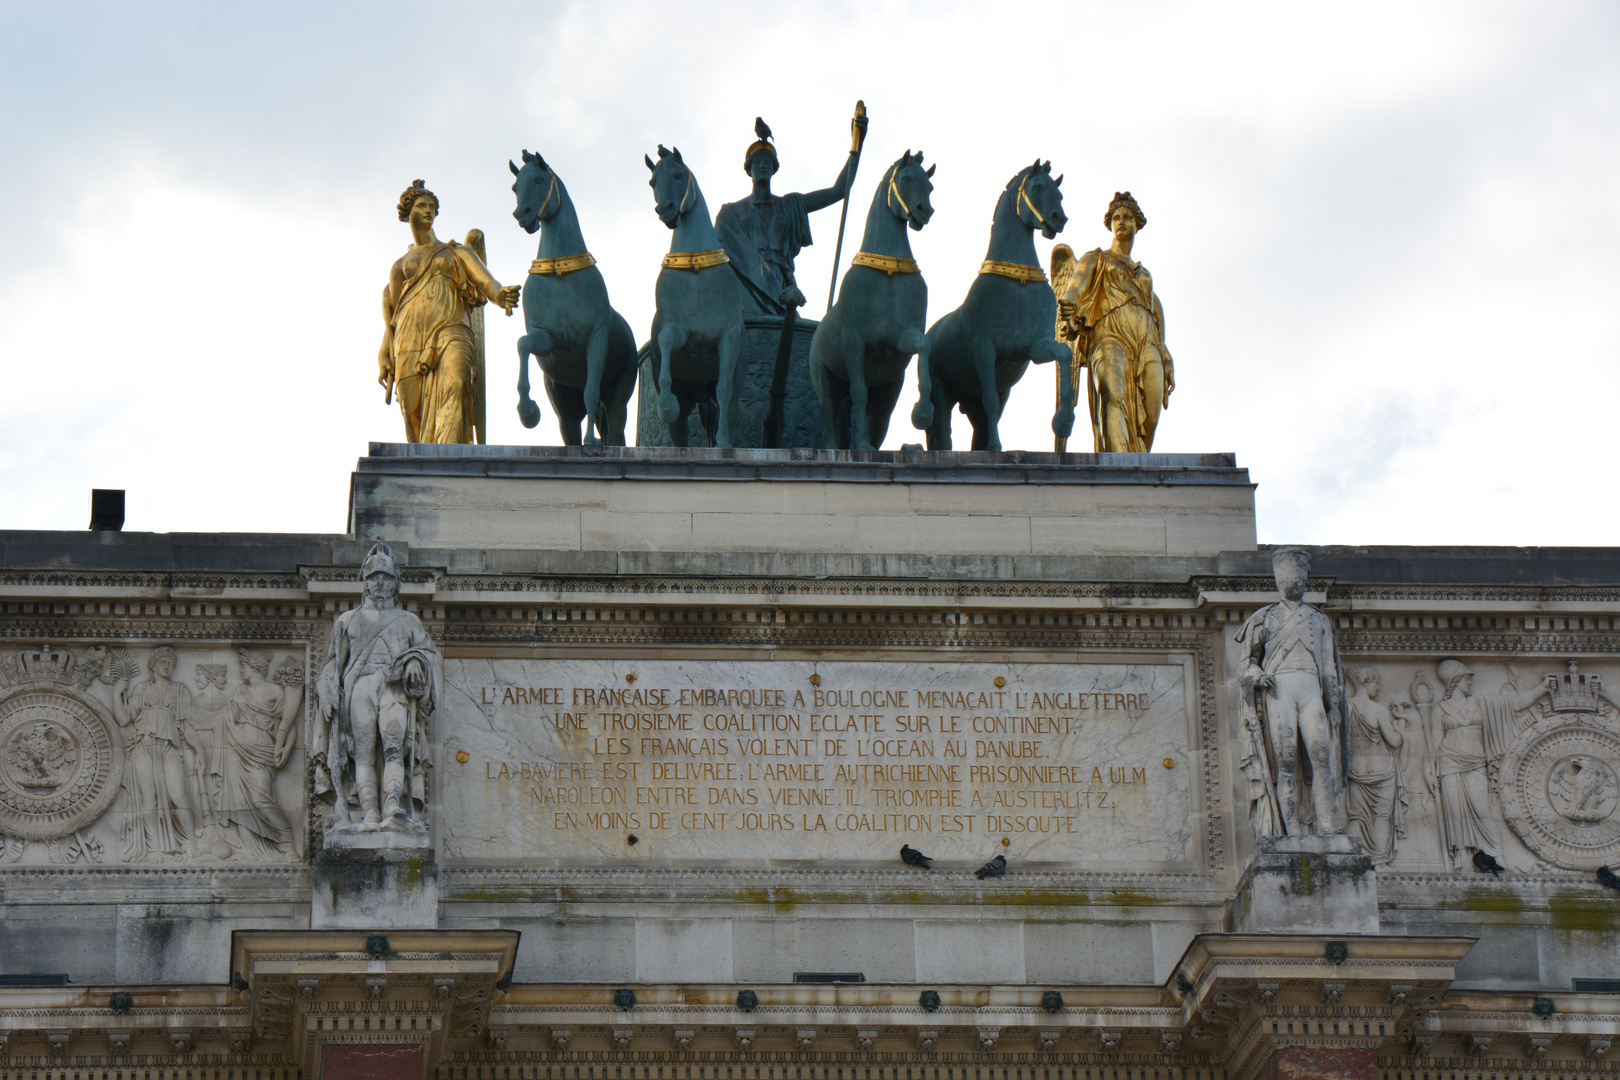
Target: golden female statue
430,350
1107,310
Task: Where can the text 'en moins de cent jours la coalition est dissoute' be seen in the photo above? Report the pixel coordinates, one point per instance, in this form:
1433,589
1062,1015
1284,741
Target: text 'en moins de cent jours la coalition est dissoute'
651,722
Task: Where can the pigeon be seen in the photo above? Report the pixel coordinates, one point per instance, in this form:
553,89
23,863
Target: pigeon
994,868
762,129
1608,878
912,857
1486,863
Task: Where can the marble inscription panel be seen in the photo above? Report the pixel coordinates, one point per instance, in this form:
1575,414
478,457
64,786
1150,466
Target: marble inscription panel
593,761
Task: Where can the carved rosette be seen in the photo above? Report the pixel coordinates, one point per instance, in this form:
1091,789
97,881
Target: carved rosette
1560,789
61,758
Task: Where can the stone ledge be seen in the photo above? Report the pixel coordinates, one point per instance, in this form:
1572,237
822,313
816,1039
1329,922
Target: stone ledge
842,466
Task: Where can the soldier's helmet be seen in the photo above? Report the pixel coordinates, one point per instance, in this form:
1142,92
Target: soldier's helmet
379,561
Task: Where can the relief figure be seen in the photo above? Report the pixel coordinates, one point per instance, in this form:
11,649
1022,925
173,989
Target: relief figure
1293,752
257,736
1471,733
158,819
204,750
1374,798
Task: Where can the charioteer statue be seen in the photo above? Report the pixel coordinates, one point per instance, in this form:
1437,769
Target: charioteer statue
765,232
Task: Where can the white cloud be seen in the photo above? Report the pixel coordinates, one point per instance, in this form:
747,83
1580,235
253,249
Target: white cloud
1384,235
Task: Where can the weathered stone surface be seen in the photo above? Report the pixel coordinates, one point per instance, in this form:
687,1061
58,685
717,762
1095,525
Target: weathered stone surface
1307,885
383,888
570,759
557,499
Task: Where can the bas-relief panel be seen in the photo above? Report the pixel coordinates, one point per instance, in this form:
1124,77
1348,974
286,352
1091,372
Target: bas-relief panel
132,754
1450,757
597,761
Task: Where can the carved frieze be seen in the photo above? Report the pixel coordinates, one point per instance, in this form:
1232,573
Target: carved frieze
61,756
1560,790
136,754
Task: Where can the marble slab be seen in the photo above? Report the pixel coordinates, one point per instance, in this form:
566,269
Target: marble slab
597,762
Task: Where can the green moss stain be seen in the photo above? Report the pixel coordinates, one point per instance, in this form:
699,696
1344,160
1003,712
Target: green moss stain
1583,913
1504,903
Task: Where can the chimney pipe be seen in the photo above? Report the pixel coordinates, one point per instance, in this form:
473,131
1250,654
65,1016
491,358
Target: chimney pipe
107,509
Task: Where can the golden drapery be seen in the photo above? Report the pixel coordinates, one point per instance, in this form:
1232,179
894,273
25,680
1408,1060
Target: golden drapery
1123,322
432,345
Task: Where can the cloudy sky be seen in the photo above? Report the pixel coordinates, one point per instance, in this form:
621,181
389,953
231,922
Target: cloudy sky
1387,237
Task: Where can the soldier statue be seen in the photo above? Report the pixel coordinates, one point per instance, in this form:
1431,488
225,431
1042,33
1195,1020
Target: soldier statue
379,682
764,233
1293,751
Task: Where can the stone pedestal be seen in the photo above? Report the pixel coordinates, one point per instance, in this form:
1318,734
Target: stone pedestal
815,512
1306,885
374,881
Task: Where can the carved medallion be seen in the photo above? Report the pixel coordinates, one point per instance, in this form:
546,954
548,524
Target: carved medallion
1560,785
60,760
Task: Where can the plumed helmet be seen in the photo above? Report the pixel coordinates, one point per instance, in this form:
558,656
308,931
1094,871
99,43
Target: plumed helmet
379,561
1452,670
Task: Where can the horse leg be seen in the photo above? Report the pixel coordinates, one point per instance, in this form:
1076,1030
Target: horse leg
883,397
538,342
913,340
1054,351
596,349
939,433
855,367
826,393
725,389
670,338
679,426
984,366
618,405
565,403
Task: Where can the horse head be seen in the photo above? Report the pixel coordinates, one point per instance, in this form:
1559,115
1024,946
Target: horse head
1038,202
539,194
675,190
906,189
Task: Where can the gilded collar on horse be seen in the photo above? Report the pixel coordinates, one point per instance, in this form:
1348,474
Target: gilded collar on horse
695,260
889,264
1022,273
562,264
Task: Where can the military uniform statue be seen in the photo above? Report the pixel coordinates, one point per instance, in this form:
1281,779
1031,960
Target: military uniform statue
1292,744
379,683
764,233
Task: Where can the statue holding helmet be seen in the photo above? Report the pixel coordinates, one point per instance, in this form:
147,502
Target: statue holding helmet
379,683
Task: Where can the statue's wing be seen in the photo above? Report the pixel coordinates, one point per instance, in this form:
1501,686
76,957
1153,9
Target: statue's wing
1063,262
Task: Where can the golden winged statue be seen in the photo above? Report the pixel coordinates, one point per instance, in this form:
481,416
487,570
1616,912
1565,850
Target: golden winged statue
1114,324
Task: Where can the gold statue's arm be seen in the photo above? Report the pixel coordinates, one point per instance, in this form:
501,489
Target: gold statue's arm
386,375
505,297
1164,351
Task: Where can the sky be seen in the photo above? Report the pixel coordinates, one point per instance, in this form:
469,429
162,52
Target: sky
1386,236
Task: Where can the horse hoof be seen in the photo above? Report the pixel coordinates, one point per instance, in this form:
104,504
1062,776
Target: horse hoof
528,413
668,408
922,419
591,439
1063,423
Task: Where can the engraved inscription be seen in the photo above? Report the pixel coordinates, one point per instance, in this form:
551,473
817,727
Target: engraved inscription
591,760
